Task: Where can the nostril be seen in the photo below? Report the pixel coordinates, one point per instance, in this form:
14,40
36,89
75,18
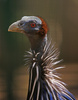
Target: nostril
21,24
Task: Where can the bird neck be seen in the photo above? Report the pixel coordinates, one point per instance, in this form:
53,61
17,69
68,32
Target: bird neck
35,72
38,43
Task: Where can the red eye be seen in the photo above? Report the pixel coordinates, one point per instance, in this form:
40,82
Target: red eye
33,24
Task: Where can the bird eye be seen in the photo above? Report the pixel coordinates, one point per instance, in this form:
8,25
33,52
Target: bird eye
33,25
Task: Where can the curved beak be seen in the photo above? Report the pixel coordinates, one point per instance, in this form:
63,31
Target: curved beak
14,27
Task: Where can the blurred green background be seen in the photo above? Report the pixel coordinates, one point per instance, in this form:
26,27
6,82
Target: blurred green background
62,19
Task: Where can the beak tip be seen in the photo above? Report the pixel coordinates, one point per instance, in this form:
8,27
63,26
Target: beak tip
14,27
9,30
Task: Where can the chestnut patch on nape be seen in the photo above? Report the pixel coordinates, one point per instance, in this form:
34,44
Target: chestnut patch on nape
44,28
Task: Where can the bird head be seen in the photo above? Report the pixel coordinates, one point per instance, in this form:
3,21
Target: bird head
34,27
30,25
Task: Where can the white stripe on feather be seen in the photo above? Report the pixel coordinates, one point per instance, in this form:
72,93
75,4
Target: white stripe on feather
47,96
38,91
30,79
34,82
67,95
51,90
57,68
31,74
33,64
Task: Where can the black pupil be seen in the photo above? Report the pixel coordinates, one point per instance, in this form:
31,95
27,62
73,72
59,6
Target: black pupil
32,24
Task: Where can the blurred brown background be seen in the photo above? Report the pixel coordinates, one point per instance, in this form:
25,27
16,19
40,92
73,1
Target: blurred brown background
62,19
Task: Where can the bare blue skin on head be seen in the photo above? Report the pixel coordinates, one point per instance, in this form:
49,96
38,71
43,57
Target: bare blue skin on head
27,20
37,43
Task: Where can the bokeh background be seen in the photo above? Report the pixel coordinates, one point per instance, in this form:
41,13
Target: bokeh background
62,19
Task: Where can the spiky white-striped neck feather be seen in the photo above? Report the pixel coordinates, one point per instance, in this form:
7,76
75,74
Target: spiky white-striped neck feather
44,83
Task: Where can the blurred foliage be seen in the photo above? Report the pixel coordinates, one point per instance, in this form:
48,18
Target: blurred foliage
62,19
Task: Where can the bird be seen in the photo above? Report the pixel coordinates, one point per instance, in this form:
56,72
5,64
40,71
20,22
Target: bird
44,82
